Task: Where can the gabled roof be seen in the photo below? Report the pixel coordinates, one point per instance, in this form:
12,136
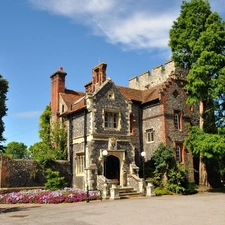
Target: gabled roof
151,94
131,94
70,97
142,96
76,100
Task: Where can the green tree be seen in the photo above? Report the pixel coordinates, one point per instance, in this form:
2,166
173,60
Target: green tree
211,147
41,152
168,173
16,150
45,126
3,108
59,138
186,31
53,137
164,160
197,41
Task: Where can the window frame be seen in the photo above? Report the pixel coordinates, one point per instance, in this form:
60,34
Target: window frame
80,163
178,153
111,95
177,120
150,135
132,122
111,119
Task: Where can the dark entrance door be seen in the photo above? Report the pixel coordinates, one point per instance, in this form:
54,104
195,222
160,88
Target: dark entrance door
113,168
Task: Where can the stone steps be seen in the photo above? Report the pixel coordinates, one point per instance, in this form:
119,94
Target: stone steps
128,192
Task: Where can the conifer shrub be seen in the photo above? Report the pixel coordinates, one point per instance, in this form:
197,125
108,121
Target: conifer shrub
54,181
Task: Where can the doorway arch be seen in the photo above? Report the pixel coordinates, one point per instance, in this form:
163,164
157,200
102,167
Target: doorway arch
112,168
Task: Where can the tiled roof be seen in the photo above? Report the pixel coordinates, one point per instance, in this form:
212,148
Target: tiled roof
70,97
151,94
142,96
76,100
131,94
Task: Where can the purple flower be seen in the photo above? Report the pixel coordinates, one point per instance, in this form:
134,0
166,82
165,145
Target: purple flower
40,196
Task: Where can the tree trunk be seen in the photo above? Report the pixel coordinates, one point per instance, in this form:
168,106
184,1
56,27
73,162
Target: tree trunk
203,176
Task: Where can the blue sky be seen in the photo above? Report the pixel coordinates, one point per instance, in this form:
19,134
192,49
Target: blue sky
39,36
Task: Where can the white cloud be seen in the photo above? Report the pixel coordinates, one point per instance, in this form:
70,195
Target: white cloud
29,114
132,24
72,8
140,31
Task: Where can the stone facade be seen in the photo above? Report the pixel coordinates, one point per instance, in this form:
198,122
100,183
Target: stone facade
158,75
122,122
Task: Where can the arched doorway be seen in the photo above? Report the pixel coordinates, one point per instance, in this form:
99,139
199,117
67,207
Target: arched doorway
112,168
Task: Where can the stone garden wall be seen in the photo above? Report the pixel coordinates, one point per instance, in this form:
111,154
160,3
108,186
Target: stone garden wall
17,173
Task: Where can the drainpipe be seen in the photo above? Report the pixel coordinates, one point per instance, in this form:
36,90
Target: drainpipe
140,126
85,153
1,159
71,147
85,137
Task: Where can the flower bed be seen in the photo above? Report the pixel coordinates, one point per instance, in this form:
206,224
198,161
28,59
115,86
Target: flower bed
67,195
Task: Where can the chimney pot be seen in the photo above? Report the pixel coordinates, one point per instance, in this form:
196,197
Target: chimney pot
60,68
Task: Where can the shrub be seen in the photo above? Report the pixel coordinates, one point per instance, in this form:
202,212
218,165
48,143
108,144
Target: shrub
162,191
54,181
170,174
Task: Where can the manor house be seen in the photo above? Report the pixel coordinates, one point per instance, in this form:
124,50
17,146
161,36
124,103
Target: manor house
109,126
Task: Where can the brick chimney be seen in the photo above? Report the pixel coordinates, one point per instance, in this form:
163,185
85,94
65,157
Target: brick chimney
57,86
98,76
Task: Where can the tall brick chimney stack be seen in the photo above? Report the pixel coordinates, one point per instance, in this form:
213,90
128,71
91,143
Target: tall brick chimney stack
57,86
98,75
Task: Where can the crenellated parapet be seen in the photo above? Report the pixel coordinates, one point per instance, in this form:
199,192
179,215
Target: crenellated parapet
159,74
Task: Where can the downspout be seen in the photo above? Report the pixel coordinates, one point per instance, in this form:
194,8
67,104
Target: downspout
140,127
85,137
71,148
1,159
85,153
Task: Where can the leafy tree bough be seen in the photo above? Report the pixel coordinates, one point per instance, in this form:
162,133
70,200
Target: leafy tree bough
53,136
169,174
197,41
3,109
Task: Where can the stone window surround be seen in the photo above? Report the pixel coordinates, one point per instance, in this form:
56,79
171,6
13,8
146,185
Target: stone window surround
178,120
150,135
111,95
179,151
118,114
79,163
